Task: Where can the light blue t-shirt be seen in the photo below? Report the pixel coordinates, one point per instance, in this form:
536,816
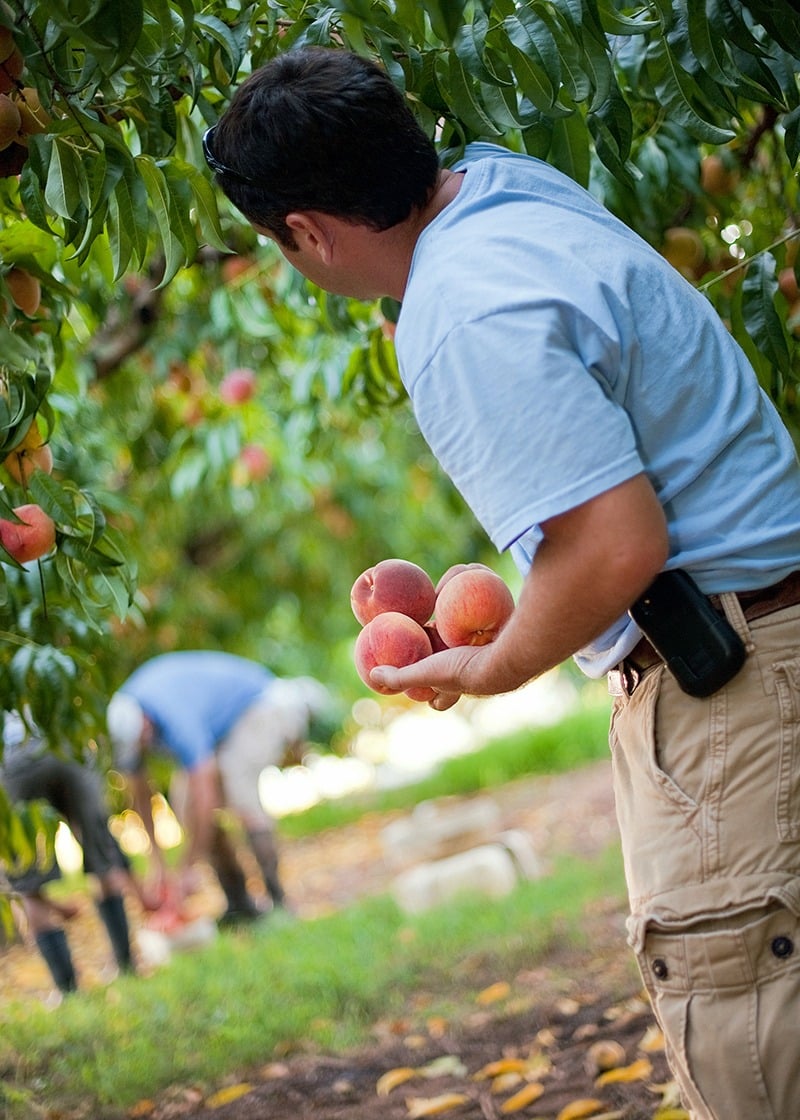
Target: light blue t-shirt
194,698
550,354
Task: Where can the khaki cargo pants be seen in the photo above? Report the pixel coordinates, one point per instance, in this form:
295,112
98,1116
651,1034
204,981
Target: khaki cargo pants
708,801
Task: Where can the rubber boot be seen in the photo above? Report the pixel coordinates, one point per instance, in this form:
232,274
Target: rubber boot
265,850
240,906
112,912
53,945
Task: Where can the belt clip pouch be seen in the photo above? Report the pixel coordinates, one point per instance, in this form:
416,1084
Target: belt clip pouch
699,646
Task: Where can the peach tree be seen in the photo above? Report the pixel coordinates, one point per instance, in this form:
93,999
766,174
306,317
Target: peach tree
129,291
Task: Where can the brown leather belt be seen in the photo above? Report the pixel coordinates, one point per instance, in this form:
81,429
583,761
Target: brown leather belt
755,604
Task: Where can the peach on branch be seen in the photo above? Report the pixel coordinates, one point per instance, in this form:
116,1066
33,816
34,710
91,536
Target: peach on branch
30,537
238,385
390,638
26,291
252,465
32,454
473,607
393,585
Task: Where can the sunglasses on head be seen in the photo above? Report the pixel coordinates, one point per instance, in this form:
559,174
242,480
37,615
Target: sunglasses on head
217,165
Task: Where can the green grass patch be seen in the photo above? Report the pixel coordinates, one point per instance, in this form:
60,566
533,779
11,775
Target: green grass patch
579,738
253,995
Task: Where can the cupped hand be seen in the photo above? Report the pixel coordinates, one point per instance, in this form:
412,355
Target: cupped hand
446,673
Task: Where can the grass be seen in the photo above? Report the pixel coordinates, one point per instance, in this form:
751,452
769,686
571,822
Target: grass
318,984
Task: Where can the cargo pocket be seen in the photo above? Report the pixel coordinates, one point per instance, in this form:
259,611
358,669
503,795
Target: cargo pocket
727,1003
787,809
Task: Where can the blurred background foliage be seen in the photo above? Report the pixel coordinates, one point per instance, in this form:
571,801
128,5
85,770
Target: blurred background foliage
189,519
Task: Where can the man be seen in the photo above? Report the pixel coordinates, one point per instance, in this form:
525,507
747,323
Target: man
31,772
223,719
604,427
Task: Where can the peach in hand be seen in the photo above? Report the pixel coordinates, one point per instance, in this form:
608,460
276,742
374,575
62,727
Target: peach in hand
456,569
391,638
393,585
30,537
472,607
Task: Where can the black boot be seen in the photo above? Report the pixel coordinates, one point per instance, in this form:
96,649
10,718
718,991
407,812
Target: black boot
112,913
240,906
265,850
53,945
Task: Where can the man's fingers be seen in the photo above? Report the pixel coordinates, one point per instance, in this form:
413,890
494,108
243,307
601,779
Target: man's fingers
384,676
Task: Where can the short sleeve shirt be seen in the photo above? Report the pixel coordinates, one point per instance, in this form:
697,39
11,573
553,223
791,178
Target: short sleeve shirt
195,697
550,354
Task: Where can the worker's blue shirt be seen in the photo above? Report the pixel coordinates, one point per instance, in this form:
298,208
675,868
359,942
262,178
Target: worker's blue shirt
551,354
194,698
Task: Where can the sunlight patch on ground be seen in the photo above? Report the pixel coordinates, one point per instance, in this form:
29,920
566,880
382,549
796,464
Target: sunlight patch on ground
394,748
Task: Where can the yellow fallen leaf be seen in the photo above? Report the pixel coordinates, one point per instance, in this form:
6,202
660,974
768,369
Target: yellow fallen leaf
392,1078
434,1106
232,1093
504,1082
502,1065
576,1110
636,1071
142,1108
494,992
524,1097
652,1040
672,1114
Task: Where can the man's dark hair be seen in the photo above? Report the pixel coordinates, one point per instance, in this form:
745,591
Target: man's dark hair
322,129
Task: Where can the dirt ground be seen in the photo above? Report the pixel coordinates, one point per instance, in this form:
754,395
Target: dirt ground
533,1054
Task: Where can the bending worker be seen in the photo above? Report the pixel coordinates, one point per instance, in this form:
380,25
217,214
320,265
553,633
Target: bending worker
223,719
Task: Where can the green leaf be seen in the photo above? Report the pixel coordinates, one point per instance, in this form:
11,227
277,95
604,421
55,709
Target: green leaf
761,318
675,90
446,17
66,179
463,98
161,201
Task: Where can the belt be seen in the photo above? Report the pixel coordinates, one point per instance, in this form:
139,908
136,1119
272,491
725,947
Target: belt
754,604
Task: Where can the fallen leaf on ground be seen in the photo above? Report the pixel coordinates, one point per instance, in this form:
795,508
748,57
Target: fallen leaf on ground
231,1093
449,1065
577,1110
494,992
636,1071
392,1078
434,1106
652,1040
523,1098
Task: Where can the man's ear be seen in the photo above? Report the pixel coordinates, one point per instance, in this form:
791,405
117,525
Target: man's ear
312,233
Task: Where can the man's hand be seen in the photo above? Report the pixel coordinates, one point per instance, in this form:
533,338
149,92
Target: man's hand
593,562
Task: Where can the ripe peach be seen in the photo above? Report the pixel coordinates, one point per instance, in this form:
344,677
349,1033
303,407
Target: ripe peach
454,570
473,607
787,283
716,177
390,638
33,117
26,291
238,385
235,266
393,585
22,462
30,537
252,465
10,121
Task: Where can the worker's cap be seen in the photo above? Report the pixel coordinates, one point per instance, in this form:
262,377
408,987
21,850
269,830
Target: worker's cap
125,720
